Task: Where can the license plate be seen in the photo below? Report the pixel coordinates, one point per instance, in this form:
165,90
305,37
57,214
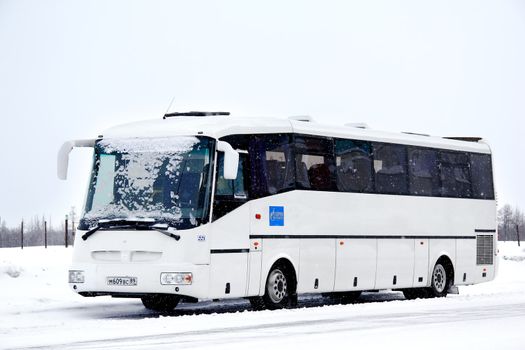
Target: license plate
122,281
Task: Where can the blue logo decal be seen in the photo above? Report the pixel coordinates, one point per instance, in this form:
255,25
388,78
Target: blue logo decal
276,216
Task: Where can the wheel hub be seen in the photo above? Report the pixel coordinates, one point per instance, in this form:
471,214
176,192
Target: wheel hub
277,286
439,278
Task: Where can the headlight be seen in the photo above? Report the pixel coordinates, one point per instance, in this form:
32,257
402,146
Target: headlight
176,278
76,276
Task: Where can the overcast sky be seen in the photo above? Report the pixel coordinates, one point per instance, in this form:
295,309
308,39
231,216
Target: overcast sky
70,69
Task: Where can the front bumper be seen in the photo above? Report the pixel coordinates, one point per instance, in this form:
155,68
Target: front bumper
147,276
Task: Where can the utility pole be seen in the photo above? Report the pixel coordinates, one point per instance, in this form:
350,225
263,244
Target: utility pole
518,233
22,235
45,234
65,234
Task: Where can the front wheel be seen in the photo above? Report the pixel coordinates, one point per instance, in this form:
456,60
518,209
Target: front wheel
279,291
160,302
276,289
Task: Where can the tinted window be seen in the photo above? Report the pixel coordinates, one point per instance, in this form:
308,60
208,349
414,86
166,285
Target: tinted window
423,172
233,188
353,166
454,174
238,142
314,163
481,171
231,194
390,168
272,167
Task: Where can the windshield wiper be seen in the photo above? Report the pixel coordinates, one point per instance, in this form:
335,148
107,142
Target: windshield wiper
163,228
146,224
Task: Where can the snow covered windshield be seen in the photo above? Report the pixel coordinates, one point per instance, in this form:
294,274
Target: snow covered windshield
166,179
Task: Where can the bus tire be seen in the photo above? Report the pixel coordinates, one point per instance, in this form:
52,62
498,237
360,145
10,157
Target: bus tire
441,279
160,302
280,287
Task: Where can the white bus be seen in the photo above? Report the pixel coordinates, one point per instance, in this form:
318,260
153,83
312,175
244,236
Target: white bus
206,206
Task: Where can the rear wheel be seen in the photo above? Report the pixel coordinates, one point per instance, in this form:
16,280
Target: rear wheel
160,302
441,281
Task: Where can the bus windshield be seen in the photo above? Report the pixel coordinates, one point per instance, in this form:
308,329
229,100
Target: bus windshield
165,179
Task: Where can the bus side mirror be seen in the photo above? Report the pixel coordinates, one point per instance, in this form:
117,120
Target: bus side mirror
63,155
231,160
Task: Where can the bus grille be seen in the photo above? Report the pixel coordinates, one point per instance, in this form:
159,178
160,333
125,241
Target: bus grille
484,250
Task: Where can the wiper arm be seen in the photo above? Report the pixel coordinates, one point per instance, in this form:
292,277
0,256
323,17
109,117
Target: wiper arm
91,231
116,223
163,228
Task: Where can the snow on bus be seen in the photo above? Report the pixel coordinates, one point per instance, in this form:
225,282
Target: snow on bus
207,206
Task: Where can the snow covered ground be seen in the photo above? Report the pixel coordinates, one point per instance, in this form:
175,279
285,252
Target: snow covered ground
38,310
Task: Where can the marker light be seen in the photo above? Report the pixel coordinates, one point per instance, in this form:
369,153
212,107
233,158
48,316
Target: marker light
176,278
76,276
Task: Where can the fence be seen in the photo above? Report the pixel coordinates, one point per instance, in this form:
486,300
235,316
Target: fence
40,234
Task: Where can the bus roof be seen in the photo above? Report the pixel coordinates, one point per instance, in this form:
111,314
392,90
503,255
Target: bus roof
219,126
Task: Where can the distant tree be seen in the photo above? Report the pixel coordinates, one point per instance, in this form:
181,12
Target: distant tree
505,220
518,220
3,231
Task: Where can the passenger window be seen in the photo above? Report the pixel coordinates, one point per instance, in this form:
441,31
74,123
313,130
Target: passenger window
273,168
455,175
390,174
481,171
353,166
314,163
423,172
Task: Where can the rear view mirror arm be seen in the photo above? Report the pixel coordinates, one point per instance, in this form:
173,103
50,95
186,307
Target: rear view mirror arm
63,155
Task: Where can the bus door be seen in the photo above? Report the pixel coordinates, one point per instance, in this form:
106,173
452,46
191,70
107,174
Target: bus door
230,233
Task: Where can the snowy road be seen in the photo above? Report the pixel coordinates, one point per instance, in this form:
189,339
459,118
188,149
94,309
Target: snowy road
431,327
485,316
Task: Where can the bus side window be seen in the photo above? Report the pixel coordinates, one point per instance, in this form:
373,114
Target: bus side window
454,174
481,171
390,167
422,171
272,168
353,166
314,163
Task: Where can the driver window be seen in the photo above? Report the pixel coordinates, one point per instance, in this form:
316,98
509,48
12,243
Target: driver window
233,188
230,194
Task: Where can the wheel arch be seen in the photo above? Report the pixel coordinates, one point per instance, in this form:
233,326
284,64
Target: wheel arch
283,260
447,262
